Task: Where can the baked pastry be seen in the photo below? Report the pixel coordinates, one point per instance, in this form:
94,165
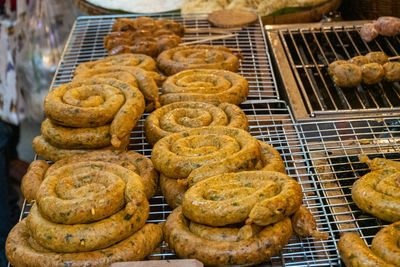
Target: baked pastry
211,86
129,60
181,116
378,191
197,57
95,102
383,252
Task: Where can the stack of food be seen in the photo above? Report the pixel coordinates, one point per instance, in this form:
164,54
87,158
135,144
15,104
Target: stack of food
88,212
370,69
99,108
187,157
143,35
229,218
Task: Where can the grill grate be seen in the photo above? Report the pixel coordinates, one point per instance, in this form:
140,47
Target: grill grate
333,149
86,44
311,48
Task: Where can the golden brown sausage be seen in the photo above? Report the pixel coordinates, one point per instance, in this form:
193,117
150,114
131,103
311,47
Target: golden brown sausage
197,57
347,75
206,151
21,251
372,73
392,71
259,197
386,244
144,80
76,138
205,85
33,178
133,60
128,159
378,194
96,102
249,251
359,60
181,116
47,151
87,191
355,253
377,57
304,224
225,233
271,159
172,191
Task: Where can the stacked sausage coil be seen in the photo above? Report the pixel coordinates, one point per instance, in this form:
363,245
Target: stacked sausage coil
385,248
143,35
187,157
136,69
229,218
88,212
205,85
369,69
88,114
181,116
378,191
197,57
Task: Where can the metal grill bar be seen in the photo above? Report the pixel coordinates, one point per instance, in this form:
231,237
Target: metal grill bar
310,48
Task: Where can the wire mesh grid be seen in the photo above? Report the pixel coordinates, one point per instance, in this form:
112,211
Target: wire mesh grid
271,123
333,149
86,44
311,49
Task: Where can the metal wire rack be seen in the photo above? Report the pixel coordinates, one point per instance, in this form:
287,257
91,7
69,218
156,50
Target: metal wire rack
310,48
333,149
86,43
271,123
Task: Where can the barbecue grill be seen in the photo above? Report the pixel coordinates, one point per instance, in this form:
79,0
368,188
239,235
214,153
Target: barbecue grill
303,53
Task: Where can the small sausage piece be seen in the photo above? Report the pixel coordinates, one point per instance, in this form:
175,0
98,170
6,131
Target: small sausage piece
359,60
33,179
377,57
392,71
355,253
304,224
388,26
334,64
369,32
372,73
347,75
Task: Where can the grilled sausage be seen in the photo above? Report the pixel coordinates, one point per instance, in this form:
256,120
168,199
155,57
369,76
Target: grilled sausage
33,179
355,253
392,71
251,251
372,73
22,251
